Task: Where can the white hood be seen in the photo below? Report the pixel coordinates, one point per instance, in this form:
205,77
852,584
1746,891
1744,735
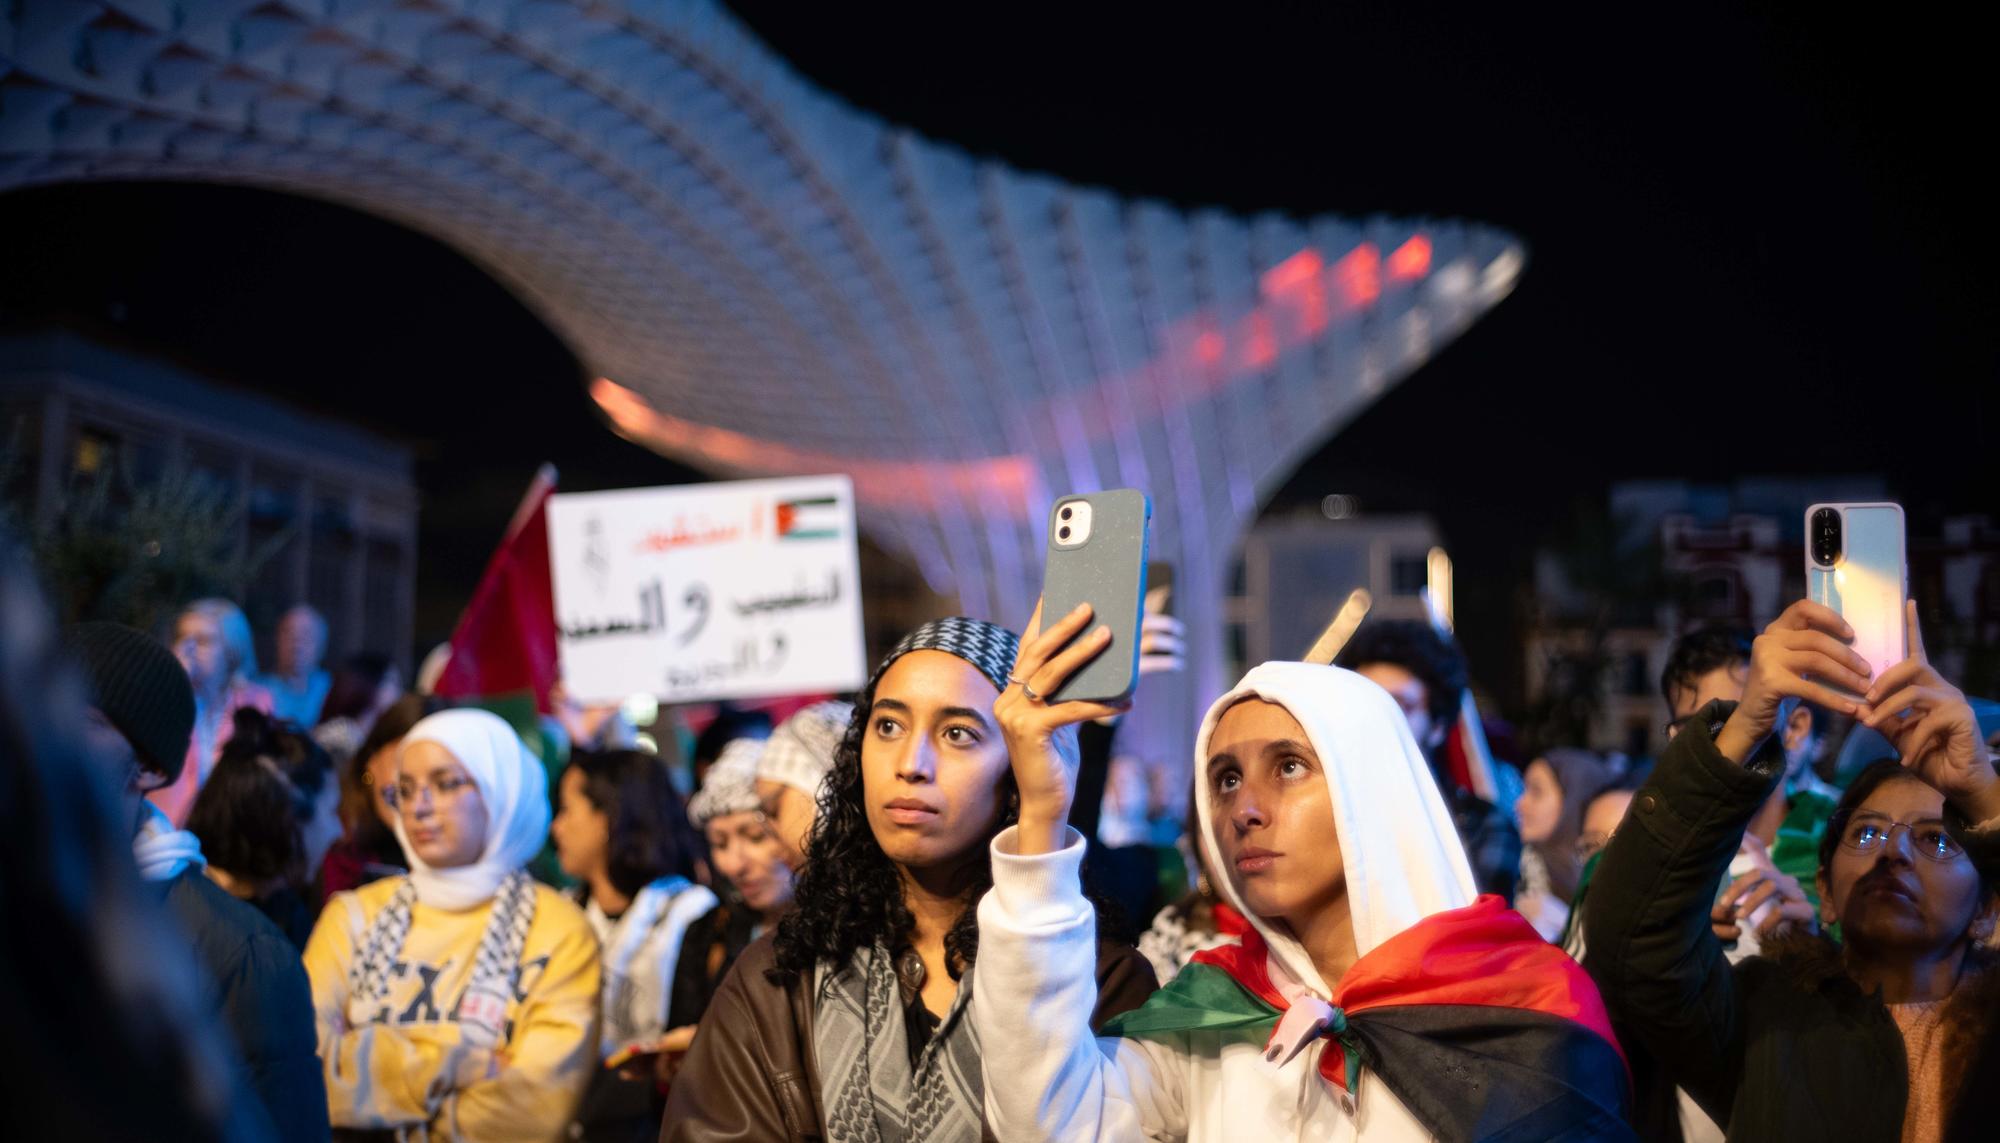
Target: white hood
1401,853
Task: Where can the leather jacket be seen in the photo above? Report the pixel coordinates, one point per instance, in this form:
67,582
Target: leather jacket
751,1075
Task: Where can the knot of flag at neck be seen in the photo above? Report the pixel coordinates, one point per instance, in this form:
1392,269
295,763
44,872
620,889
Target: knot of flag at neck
1309,1018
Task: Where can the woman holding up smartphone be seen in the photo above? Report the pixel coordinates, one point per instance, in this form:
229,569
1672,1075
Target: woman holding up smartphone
1868,1036
851,1024
1373,997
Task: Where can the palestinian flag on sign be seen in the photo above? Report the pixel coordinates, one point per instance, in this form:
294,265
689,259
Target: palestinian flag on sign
1482,1029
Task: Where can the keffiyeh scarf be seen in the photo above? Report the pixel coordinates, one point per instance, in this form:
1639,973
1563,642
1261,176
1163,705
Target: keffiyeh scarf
871,1093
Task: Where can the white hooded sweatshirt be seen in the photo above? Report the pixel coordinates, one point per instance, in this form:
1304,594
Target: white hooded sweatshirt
1047,1077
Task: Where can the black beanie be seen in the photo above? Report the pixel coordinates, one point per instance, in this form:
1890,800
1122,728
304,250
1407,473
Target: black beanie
142,689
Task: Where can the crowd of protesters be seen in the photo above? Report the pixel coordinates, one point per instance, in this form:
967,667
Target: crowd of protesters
308,903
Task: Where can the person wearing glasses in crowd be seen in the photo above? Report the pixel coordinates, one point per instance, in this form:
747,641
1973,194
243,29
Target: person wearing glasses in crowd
460,1001
1557,787
1879,1026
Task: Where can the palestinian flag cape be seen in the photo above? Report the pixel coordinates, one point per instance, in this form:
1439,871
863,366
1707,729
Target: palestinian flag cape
1481,1028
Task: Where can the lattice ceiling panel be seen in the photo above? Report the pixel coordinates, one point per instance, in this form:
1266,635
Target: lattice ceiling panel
771,282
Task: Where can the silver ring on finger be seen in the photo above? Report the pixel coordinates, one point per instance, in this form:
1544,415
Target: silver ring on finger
1028,690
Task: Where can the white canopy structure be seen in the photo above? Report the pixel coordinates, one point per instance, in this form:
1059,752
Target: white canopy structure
771,282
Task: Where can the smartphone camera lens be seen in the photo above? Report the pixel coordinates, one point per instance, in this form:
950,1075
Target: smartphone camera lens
1825,537
1068,512
1062,534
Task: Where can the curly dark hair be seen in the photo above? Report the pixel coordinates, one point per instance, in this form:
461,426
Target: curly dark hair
850,895
266,781
1418,649
651,836
1700,651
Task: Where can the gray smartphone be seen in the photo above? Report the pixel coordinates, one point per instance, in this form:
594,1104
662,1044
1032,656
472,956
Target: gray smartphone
1855,565
1097,555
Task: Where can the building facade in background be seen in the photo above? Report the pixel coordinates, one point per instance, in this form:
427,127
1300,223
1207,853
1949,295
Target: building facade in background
333,508
1678,555
1299,569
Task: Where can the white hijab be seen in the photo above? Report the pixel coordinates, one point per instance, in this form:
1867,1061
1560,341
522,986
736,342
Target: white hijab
1402,856
514,787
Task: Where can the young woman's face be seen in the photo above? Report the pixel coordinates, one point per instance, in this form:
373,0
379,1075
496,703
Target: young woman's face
380,772
748,851
1272,815
1540,804
790,813
1600,820
1893,899
443,815
582,831
932,761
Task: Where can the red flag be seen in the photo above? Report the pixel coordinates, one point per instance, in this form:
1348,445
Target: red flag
505,642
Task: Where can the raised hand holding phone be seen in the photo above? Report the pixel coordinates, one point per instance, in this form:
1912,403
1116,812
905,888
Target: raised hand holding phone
1803,654
1041,741
1934,729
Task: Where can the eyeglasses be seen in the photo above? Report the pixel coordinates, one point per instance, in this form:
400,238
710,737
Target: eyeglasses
1930,840
1589,845
443,789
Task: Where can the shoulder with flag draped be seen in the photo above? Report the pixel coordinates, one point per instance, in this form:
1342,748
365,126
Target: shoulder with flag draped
1474,991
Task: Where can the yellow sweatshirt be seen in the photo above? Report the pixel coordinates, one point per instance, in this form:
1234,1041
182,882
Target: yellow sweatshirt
406,1067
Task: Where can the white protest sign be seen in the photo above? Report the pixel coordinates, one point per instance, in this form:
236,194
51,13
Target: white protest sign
708,591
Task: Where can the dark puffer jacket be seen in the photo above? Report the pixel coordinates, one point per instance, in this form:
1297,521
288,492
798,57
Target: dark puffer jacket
1779,1046
256,984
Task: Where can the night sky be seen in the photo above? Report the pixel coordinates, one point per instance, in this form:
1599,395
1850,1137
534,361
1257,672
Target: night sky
1757,244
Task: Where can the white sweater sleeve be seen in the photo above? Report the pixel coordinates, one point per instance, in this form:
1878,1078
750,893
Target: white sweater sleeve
1034,988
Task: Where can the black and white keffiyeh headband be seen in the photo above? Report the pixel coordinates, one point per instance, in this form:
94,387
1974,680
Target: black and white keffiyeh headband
988,646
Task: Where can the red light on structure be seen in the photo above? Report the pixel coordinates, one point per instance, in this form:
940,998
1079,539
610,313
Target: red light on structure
1260,344
1209,347
1359,273
1411,260
1299,285
1004,482
1293,274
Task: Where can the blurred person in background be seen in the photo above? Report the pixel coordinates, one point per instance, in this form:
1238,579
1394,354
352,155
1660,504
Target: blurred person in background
298,684
139,726
791,768
265,818
212,641
1871,1033
1558,787
109,1030
1601,819
1198,921
460,1001
363,687
368,848
623,833
753,876
1426,676
851,1022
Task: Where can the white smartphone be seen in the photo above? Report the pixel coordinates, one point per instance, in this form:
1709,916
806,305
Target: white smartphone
1855,565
